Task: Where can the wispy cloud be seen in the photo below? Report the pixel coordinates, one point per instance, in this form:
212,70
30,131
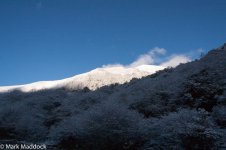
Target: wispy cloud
112,65
197,53
148,58
175,60
157,56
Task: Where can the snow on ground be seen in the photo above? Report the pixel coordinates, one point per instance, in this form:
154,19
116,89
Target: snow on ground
175,108
94,79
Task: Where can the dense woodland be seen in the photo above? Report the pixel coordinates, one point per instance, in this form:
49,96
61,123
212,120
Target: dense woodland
176,108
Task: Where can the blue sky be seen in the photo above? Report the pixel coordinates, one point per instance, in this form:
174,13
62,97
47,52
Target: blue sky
55,39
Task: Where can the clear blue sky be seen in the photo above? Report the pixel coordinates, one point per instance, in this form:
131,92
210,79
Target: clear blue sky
55,39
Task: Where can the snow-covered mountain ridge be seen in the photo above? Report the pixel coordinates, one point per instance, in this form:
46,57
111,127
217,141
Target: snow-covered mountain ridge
94,79
175,108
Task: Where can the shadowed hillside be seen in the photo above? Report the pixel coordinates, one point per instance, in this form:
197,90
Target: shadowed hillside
176,108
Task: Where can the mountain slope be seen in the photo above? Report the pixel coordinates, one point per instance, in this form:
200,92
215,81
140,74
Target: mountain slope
93,79
177,108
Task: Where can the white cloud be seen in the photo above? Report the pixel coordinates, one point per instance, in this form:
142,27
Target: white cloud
149,58
175,61
144,59
112,65
156,56
157,50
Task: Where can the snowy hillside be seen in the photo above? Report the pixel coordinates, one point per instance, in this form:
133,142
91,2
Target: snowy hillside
175,108
93,79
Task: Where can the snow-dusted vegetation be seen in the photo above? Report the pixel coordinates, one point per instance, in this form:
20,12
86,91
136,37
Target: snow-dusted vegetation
93,80
175,108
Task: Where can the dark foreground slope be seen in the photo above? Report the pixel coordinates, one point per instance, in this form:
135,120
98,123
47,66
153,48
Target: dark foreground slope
181,108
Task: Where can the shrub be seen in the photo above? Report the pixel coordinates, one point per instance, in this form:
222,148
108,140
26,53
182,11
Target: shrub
186,129
106,126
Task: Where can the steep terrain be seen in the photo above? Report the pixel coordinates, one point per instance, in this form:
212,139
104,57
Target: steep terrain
175,108
92,80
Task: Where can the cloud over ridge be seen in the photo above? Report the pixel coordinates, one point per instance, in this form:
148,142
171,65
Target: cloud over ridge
157,56
148,58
